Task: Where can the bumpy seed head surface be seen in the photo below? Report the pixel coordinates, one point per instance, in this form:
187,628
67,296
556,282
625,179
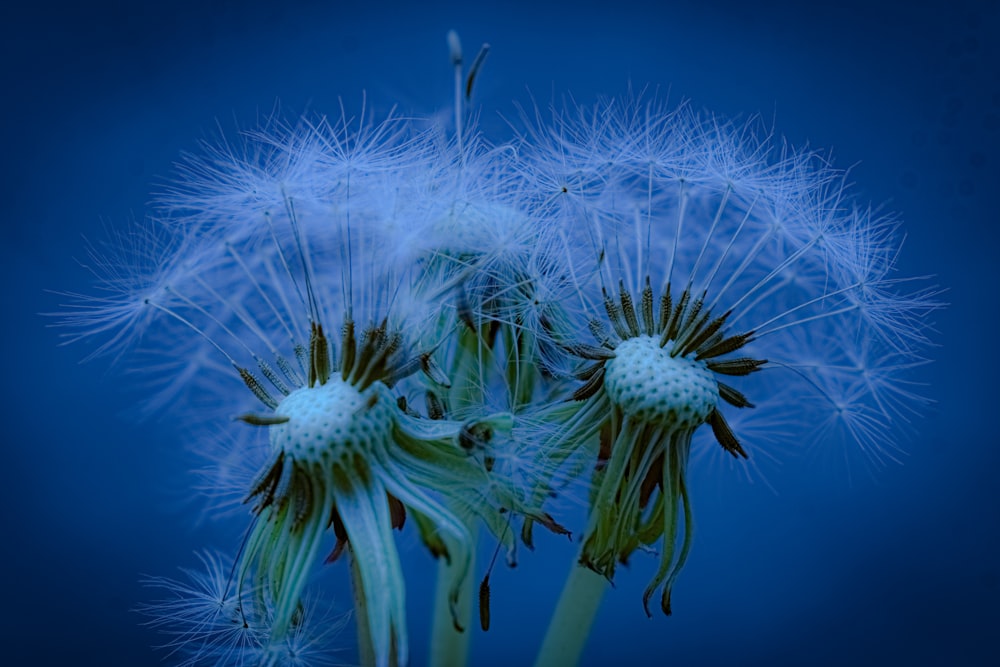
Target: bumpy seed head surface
471,229
330,421
650,385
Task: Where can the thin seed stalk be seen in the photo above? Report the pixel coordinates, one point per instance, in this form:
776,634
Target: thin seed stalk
366,650
449,646
521,366
570,626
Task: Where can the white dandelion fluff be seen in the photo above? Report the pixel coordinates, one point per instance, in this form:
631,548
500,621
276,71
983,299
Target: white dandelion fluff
209,622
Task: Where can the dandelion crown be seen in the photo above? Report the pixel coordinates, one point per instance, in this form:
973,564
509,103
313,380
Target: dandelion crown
329,423
650,385
422,330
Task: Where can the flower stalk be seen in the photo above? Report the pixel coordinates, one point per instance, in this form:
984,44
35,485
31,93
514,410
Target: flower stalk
571,623
451,626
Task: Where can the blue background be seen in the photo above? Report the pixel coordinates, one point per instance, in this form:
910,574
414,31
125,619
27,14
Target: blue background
805,562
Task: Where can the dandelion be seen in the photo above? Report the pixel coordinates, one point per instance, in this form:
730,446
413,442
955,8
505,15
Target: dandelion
715,260
258,289
498,272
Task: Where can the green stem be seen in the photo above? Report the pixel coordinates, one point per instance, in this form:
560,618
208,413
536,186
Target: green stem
366,650
570,625
449,647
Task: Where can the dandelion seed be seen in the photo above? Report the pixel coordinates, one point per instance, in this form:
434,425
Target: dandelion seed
209,623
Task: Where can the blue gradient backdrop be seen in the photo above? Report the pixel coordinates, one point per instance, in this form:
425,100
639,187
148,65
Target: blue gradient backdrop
808,562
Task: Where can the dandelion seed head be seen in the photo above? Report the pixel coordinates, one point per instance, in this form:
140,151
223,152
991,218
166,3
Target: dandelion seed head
471,229
650,384
706,251
331,422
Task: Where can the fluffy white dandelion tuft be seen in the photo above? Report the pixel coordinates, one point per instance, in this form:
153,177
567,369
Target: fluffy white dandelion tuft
209,622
